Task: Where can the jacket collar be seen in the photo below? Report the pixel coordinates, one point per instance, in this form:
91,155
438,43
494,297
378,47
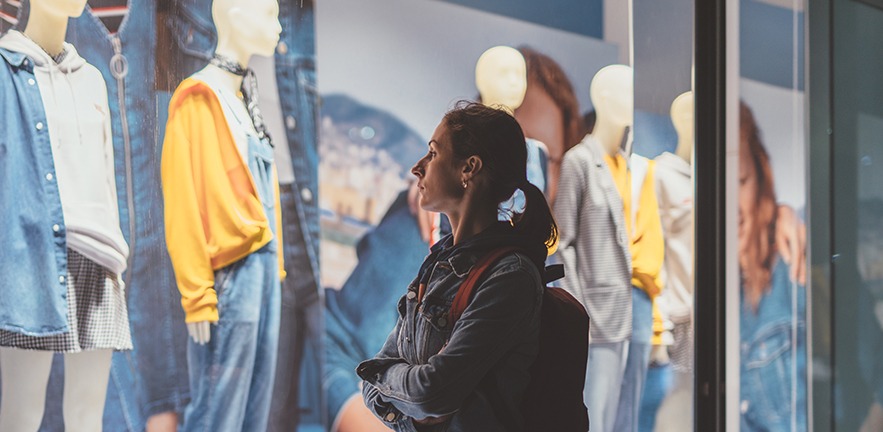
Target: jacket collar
16,59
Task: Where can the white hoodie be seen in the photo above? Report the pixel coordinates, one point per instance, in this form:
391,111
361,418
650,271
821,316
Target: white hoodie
78,117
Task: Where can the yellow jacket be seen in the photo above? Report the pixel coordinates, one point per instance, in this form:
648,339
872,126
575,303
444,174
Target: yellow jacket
646,242
213,215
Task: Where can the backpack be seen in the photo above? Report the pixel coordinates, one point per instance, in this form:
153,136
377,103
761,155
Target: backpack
554,398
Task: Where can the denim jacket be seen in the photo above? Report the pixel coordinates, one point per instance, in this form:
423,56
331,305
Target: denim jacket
475,370
33,258
773,358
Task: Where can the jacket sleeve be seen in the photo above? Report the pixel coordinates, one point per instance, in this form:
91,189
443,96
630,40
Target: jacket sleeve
567,207
648,245
504,311
182,177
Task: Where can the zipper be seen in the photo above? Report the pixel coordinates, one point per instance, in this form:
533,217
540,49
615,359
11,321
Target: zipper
119,68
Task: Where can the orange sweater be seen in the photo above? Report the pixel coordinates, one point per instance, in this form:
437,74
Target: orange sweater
213,215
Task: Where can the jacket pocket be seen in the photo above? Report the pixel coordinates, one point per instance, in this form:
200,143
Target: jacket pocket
433,328
767,384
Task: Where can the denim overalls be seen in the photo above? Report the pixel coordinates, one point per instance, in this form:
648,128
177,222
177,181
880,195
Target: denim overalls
231,377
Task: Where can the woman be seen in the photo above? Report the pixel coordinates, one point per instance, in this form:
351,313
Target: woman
471,374
772,325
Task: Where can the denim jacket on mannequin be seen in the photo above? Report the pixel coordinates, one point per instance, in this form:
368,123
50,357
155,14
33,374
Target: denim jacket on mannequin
33,258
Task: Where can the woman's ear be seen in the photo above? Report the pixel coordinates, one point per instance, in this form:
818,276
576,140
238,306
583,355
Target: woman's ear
472,167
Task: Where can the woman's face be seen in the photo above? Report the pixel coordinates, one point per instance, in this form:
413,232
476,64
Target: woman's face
439,177
747,198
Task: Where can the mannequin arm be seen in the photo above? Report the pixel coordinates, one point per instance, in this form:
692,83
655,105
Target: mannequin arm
200,331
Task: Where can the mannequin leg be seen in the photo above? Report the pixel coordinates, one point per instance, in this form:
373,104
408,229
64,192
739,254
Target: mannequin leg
25,375
85,387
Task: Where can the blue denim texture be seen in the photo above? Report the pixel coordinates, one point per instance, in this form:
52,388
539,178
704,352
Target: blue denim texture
637,362
359,317
604,375
476,369
231,377
31,302
773,357
152,378
656,388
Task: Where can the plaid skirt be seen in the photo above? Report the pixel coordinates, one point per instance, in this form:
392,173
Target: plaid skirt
96,313
681,351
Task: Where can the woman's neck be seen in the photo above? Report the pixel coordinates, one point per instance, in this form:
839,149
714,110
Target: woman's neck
472,218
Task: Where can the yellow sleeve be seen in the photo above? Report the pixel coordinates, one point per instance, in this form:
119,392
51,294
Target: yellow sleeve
280,244
190,124
648,245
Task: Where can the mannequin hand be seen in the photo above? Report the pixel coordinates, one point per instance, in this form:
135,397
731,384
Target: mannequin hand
791,242
200,332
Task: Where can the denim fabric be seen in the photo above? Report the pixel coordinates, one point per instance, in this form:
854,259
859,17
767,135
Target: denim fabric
475,369
637,362
359,316
773,358
152,378
604,375
194,35
31,302
659,382
231,377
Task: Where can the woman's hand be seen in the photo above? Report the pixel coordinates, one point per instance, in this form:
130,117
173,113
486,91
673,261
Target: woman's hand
791,242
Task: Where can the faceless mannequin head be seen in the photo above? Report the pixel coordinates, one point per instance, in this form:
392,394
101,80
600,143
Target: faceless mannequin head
682,118
246,27
501,77
613,96
57,8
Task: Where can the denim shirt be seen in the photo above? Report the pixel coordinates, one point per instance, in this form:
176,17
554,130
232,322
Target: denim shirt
33,257
475,369
773,358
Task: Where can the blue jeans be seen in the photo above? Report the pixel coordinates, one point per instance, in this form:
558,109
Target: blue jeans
659,382
636,364
231,377
604,376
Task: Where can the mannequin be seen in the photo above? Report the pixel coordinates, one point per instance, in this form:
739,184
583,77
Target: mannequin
82,165
674,188
612,96
682,119
501,79
223,224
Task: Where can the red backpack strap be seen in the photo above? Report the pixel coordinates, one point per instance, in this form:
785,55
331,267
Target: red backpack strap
464,293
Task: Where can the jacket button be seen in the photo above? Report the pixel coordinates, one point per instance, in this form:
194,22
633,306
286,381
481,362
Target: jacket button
282,48
390,417
31,81
39,126
61,279
49,177
290,122
306,194
442,322
411,295
56,228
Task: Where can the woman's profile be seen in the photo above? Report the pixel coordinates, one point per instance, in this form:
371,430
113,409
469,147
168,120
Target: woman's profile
469,373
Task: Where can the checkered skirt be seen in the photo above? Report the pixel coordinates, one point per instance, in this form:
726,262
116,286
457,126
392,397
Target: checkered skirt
682,351
96,312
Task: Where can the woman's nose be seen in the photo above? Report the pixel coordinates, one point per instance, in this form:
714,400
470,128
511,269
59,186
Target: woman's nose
417,170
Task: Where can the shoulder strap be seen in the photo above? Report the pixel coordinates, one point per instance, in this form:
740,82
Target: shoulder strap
464,293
